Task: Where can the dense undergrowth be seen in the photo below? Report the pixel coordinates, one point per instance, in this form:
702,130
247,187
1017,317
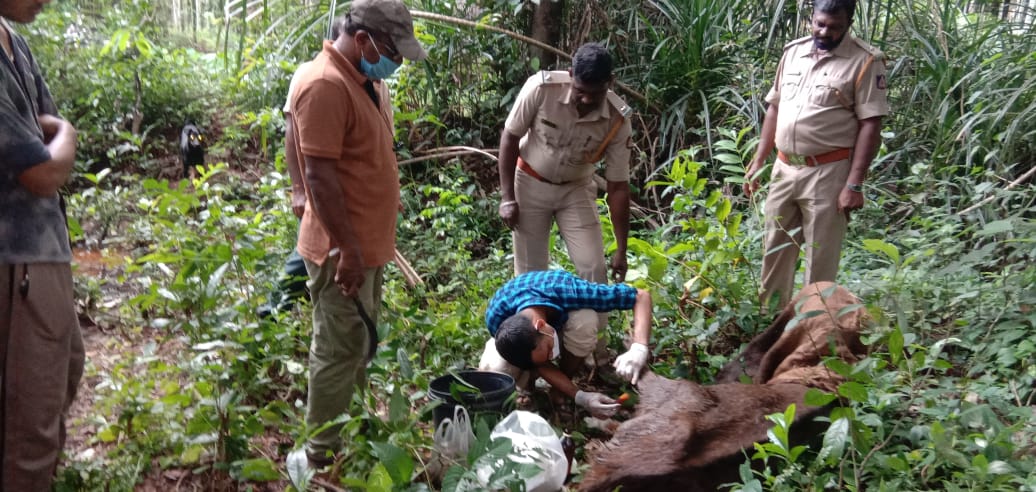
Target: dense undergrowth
943,402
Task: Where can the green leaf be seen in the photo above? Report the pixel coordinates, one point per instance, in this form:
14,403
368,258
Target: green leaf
980,462
727,158
895,344
379,479
397,463
723,210
793,456
143,46
259,469
680,248
405,369
848,309
834,440
657,267
996,227
75,229
853,391
451,480
896,463
713,198
789,414
108,434
879,246
192,454
802,316
817,398
651,184
399,407
734,226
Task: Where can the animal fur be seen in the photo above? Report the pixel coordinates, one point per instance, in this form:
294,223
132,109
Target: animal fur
192,148
691,437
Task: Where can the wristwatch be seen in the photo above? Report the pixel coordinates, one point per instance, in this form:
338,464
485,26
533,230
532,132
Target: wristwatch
855,187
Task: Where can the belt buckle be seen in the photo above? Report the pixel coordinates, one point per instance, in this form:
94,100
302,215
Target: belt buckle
795,159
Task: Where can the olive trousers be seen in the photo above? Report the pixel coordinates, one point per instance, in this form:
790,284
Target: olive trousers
337,353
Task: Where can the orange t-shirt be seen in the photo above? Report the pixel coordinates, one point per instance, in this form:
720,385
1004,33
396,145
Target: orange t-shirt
335,118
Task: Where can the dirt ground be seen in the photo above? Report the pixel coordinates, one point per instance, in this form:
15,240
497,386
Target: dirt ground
108,344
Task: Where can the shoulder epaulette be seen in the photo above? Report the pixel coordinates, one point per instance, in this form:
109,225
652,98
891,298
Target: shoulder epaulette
875,54
554,77
624,109
874,51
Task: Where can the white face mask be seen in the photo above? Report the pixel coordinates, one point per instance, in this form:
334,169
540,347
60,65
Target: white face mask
557,347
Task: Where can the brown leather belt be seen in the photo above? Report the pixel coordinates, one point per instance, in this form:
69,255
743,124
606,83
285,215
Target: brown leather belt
527,169
815,160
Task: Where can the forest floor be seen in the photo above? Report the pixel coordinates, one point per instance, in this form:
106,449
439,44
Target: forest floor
108,343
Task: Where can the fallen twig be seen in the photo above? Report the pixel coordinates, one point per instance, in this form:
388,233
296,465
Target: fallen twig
454,151
413,279
1010,185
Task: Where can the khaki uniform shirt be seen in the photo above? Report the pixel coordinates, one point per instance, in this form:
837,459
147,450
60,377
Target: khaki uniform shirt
821,100
556,142
335,118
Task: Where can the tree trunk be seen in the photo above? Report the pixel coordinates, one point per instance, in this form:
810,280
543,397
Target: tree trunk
174,8
195,20
546,28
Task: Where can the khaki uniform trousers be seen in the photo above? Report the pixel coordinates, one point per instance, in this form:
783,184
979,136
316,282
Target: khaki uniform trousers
337,354
574,207
42,351
578,337
803,201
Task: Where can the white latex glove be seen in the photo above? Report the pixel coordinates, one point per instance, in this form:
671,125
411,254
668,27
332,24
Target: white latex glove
629,365
597,404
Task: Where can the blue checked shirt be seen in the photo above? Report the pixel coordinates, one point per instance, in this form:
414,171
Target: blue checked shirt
559,290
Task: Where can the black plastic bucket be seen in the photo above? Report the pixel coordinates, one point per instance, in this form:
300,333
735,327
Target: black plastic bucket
493,399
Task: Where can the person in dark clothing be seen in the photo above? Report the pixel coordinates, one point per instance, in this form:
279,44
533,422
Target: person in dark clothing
41,347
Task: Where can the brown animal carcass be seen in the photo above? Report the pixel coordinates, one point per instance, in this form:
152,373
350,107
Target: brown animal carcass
691,437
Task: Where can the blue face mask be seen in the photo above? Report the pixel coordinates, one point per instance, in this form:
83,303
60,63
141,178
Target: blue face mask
384,67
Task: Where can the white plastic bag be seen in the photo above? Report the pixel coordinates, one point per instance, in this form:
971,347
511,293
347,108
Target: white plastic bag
532,441
453,437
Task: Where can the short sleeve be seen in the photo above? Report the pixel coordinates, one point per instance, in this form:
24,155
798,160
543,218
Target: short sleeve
872,90
773,97
526,105
321,117
20,146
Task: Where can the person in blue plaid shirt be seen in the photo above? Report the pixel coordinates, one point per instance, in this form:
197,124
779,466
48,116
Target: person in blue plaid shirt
545,316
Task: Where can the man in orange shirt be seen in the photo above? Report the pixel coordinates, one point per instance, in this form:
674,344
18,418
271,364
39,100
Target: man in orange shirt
342,128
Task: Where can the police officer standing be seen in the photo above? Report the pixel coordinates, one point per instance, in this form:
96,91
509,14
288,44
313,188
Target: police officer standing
562,124
824,118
